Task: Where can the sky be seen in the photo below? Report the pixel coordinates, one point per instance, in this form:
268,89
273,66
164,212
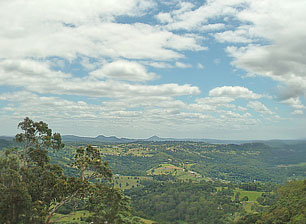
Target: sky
233,69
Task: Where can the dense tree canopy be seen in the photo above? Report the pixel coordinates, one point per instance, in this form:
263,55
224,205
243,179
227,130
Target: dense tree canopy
32,189
184,202
286,205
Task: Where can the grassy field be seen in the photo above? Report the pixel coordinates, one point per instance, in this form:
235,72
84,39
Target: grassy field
74,217
146,221
252,195
128,182
178,172
121,150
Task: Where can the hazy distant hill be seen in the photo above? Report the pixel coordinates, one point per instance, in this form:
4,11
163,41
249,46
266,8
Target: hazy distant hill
8,138
5,143
114,139
100,138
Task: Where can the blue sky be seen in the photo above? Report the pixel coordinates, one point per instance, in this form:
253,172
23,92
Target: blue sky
231,69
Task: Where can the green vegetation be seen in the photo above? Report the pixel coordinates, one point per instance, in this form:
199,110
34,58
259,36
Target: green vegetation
73,217
196,160
179,173
147,221
32,189
128,182
168,182
288,206
168,202
252,195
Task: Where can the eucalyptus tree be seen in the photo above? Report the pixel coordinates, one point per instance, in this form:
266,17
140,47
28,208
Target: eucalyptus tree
32,189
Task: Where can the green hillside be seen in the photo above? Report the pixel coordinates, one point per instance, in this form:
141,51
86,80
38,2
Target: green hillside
196,160
190,182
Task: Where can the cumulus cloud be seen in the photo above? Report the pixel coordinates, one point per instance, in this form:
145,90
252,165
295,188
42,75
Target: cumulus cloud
282,56
241,35
157,112
63,48
75,12
298,112
135,41
187,17
124,70
296,104
234,92
259,107
42,29
240,108
38,77
212,104
39,40
158,64
182,65
215,100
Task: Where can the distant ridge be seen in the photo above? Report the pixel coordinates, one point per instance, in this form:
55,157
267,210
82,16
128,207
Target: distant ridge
158,139
114,139
155,138
8,138
100,138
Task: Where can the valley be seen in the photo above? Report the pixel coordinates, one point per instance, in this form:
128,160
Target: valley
168,178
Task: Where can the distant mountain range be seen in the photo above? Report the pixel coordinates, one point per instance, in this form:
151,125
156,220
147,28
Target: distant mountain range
114,139
100,138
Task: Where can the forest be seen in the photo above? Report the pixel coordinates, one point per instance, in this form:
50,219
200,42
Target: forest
47,180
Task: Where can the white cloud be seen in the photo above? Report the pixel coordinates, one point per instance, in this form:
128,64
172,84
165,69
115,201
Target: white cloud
144,102
29,104
211,103
212,27
234,92
215,100
280,24
124,70
164,17
241,35
182,65
158,64
38,77
61,28
200,66
40,40
294,102
188,18
158,113
167,17
135,41
73,13
240,108
298,112
259,107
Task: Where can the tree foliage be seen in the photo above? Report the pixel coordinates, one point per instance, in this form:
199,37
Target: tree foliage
287,205
184,202
32,189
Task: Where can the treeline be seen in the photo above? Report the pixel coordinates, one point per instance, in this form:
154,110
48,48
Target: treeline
235,163
286,205
33,189
169,202
184,202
